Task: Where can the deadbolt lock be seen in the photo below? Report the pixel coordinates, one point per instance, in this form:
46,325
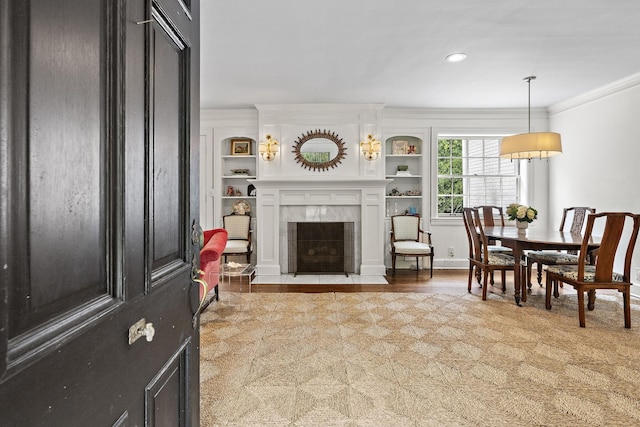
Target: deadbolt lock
141,329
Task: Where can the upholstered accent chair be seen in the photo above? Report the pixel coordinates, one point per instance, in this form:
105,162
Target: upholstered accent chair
210,256
617,244
239,229
408,239
480,258
575,216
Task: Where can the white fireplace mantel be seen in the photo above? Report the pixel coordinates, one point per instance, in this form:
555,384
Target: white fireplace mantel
365,194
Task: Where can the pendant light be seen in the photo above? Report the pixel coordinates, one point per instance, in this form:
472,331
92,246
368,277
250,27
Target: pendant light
532,144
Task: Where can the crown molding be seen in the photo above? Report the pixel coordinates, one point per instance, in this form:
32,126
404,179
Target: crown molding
596,94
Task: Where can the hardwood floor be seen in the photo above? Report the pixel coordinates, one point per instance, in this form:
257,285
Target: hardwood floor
443,281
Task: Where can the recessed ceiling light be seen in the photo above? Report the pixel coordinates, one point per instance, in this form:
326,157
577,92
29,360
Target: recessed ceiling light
456,57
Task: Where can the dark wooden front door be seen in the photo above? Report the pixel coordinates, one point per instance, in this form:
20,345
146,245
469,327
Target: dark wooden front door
98,138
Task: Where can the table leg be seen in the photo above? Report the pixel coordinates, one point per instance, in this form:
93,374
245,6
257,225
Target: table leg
517,273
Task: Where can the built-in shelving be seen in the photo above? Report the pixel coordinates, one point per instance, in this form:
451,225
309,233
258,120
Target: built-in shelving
237,183
404,193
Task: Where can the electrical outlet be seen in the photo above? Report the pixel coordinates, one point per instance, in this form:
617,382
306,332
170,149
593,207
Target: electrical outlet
451,251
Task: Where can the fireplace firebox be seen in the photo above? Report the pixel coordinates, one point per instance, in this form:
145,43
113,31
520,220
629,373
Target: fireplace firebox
321,247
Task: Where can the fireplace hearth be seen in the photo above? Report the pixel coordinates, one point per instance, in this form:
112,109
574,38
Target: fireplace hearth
321,247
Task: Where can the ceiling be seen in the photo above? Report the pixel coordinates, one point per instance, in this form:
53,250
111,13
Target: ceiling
392,52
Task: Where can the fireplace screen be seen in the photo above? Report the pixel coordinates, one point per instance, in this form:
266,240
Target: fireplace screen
321,247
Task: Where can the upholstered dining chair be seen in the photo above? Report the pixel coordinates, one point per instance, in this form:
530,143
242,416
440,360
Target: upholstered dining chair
617,244
408,239
239,240
480,258
574,215
488,215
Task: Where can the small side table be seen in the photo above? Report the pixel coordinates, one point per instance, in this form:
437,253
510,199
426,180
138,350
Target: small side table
244,270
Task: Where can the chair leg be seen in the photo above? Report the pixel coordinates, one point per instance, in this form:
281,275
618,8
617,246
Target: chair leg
503,276
523,275
470,277
431,265
627,308
248,257
393,264
484,289
592,299
547,295
540,274
417,265
528,268
581,307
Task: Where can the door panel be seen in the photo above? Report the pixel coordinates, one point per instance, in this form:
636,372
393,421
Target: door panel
62,181
168,58
97,152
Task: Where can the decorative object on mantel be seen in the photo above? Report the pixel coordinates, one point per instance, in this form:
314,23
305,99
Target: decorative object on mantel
521,214
319,150
269,148
241,207
371,148
240,171
532,144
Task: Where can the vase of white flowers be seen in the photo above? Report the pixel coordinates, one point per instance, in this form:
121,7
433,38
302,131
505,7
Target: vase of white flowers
521,214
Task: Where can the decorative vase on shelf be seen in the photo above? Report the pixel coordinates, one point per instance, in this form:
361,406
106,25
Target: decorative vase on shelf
522,225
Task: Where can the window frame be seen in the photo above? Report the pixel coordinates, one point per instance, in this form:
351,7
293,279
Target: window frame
449,134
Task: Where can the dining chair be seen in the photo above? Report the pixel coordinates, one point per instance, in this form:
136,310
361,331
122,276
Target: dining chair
239,240
488,215
540,258
617,244
480,258
406,241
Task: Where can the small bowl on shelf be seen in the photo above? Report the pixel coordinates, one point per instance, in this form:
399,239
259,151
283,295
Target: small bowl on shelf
240,171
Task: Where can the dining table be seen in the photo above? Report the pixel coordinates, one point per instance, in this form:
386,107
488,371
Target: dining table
534,238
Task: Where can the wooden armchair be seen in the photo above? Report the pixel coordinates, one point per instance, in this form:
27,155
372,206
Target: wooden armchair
239,241
488,215
577,216
406,241
620,232
480,258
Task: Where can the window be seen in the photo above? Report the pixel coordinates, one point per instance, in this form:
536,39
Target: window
471,173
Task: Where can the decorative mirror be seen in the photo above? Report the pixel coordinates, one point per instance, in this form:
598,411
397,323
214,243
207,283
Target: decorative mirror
319,150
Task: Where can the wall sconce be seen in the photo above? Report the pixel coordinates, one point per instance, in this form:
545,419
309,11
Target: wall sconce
371,148
269,148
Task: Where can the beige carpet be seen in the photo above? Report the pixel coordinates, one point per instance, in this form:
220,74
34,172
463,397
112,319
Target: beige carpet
392,359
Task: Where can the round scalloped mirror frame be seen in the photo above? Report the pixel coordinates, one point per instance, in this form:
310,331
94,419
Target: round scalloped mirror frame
320,166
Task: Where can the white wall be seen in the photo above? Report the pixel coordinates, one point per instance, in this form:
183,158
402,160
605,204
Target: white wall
352,125
600,163
448,233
